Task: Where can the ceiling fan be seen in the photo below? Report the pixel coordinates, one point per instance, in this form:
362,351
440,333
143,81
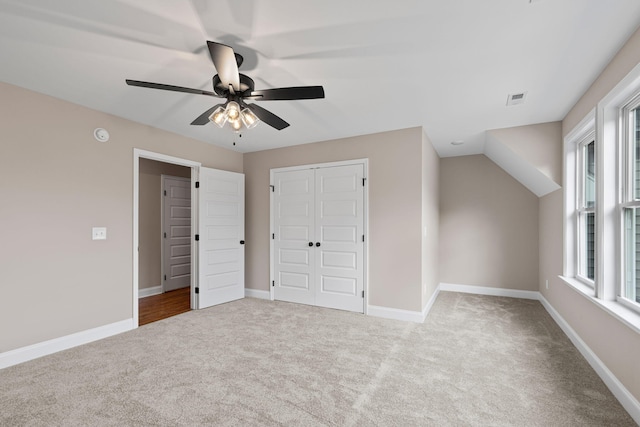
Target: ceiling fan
236,88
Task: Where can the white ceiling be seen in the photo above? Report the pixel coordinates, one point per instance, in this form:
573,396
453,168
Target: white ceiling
445,65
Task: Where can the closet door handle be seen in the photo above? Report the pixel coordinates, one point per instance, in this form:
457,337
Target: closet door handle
318,244
310,243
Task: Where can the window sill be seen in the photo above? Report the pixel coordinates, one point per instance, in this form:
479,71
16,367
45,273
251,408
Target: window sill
629,317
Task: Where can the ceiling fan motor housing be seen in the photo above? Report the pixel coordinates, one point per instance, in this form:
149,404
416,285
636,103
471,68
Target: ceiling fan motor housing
246,86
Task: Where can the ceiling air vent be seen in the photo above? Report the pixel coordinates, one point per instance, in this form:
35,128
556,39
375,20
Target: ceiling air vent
516,98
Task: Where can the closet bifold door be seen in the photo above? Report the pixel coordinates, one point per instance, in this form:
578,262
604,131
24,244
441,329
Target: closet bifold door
319,227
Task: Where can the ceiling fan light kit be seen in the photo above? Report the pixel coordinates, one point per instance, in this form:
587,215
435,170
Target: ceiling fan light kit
235,88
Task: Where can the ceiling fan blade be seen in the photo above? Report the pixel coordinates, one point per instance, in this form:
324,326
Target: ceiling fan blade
224,60
289,93
268,117
203,118
170,87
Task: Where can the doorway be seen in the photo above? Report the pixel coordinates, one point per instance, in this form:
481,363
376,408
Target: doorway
164,250
148,291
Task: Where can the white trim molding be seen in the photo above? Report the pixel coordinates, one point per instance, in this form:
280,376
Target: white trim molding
256,293
148,292
626,399
485,290
405,315
24,354
395,314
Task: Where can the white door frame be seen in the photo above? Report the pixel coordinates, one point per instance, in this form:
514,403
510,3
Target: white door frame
272,172
195,167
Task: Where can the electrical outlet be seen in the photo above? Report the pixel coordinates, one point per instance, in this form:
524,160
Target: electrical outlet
99,233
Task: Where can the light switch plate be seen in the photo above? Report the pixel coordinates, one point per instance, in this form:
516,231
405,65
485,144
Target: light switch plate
99,233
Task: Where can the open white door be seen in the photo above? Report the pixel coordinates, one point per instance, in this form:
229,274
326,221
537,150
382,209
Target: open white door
221,237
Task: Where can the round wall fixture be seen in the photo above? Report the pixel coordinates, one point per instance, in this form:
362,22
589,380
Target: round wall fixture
101,135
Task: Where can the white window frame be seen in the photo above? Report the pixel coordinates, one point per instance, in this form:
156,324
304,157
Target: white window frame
611,169
581,208
627,198
574,186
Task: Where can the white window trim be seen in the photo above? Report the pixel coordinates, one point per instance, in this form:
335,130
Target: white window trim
572,144
609,226
580,209
627,198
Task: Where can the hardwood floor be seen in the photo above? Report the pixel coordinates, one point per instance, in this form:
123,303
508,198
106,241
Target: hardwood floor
158,307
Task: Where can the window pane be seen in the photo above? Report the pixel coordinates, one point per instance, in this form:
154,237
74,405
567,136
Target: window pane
589,169
635,146
587,245
631,288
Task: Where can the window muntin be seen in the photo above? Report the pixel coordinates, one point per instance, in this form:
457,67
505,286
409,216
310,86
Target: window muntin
585,212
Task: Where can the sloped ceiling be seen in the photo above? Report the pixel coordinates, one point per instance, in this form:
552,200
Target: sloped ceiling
445,65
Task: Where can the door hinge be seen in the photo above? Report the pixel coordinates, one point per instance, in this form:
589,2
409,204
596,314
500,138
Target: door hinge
197,237
362,294
363,180
197,290
197,186
273,283
165,235
273,236
363,237
273,188
165,192
165,277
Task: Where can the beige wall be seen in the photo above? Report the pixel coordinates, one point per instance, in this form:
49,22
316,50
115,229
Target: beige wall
488,226
430,219
57,183
621,64
538,144
612,341
395,210
150,217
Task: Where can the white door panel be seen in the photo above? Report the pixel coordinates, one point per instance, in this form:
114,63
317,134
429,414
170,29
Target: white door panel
340,225
294,210
221,231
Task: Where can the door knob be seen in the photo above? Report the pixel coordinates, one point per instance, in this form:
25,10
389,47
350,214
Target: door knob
242,242
310,243
317,243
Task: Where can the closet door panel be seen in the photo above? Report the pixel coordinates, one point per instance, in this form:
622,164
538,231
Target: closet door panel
294,210
339,227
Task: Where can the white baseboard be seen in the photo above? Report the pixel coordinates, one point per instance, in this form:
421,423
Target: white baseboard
24,354
432,300
256,293
395,314
147,292
626,399
485,290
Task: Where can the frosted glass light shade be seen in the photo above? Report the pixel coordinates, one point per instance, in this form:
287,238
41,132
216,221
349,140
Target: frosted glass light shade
236,123
219,116
249,119
233,110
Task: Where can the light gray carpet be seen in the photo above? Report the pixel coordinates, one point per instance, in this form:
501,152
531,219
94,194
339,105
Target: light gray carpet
477,361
